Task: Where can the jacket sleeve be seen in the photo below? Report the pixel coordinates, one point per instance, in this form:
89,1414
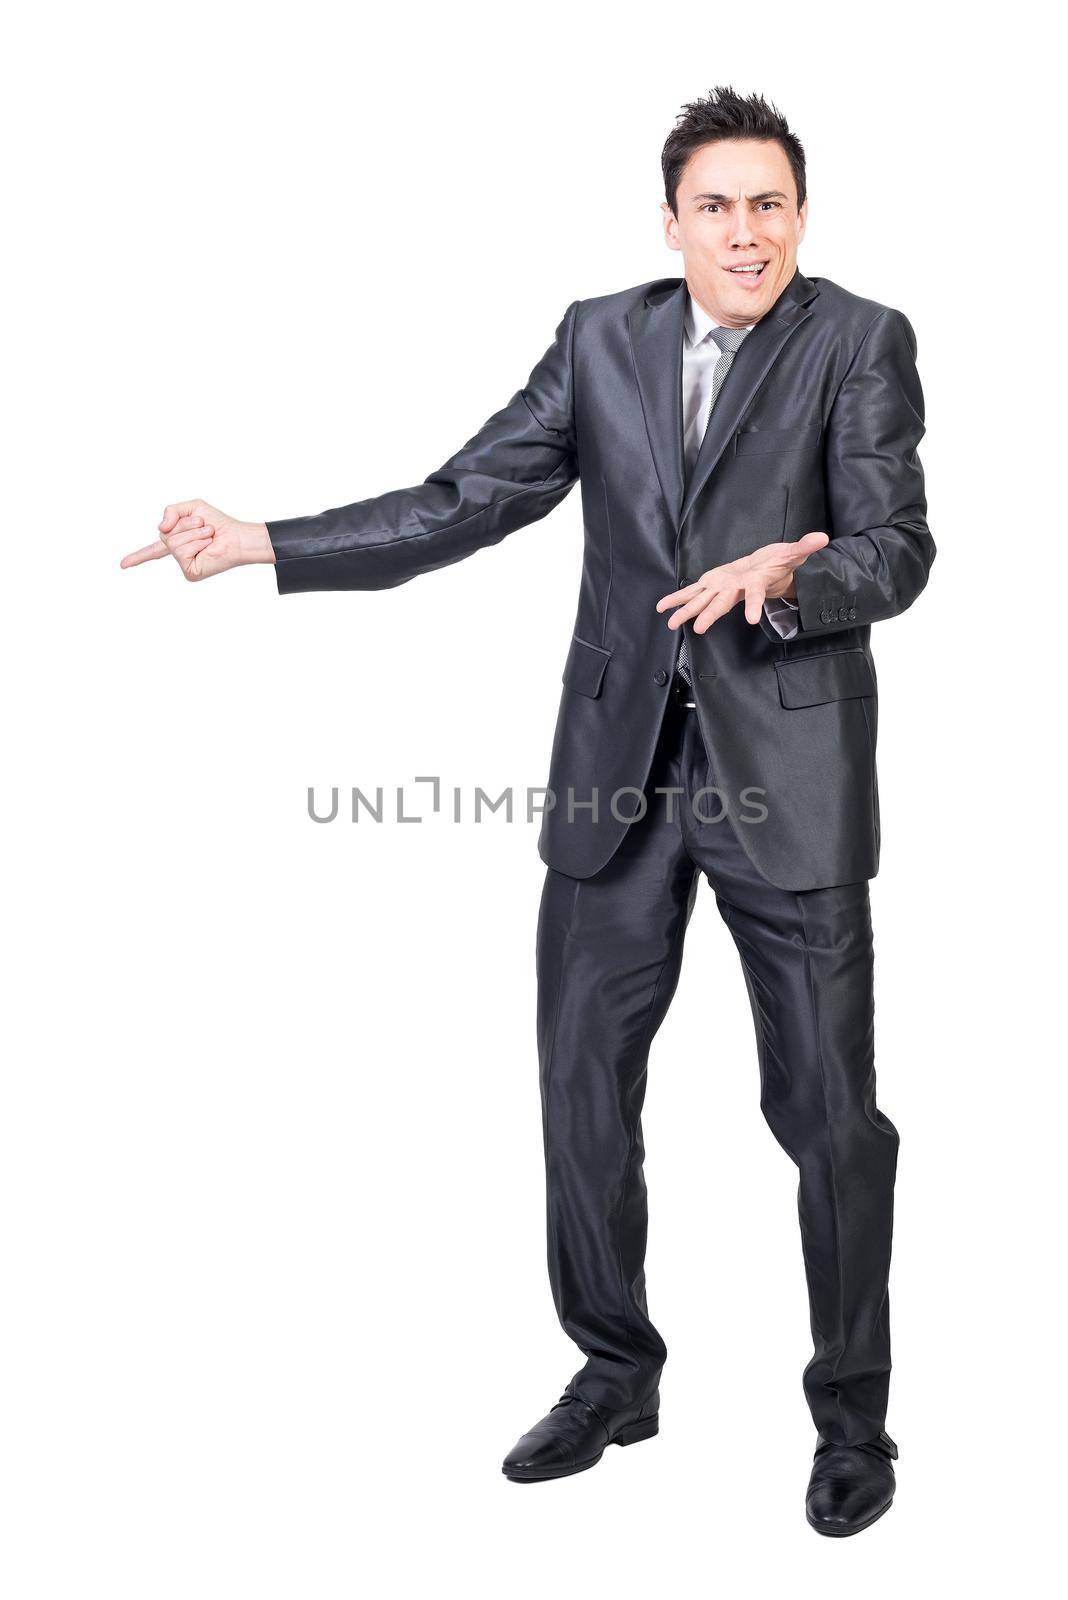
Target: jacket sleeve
514,470
881,550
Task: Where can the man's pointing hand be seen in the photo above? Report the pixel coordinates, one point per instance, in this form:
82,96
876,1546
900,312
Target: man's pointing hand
204,541
767,574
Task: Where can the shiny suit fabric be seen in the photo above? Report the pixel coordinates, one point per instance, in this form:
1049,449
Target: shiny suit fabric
609,951
816,428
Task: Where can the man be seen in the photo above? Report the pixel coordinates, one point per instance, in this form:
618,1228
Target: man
745,438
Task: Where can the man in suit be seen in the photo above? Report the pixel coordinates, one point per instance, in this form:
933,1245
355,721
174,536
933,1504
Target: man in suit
745,438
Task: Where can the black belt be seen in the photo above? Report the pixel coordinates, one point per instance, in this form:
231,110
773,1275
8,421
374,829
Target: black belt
682,692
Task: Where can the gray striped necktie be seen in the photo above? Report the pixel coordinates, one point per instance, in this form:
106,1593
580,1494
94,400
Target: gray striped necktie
729,341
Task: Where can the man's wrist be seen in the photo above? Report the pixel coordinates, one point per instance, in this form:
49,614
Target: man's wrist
254,543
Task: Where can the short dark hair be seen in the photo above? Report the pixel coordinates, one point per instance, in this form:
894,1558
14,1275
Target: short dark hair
725,114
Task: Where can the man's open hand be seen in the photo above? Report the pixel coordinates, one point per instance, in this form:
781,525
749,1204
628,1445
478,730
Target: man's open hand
767,574
204,540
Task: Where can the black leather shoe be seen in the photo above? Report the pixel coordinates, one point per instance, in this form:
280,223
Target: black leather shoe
851,1485
573,1437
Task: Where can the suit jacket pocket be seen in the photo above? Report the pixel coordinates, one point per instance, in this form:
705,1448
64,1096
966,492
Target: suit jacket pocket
764,441
834,675
584,667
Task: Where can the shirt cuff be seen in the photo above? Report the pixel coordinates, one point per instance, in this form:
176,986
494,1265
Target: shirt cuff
782,614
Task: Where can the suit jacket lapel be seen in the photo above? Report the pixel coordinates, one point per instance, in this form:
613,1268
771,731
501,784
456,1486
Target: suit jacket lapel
656,332
749,369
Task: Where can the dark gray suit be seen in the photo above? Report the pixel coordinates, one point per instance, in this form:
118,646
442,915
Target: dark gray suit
816,428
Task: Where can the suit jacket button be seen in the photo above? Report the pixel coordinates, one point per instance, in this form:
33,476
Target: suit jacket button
852,614
660,676
843,615
825,616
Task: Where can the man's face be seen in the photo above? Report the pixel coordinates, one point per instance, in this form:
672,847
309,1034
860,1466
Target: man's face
737,207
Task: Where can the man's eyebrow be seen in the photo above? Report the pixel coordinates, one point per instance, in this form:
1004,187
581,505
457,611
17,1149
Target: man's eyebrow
728,199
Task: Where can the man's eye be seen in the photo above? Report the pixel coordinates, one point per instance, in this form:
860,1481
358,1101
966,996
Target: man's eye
773,203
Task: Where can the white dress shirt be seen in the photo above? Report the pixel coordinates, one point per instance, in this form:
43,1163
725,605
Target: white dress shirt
699,355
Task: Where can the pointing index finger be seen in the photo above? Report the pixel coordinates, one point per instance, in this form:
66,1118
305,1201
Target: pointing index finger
148,552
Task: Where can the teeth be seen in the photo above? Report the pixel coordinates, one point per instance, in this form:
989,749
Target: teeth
757,267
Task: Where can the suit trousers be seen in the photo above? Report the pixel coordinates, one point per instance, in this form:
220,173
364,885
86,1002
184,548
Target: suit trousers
609,951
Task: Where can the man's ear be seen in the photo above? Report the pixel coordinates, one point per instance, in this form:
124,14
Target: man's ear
671,226
802,217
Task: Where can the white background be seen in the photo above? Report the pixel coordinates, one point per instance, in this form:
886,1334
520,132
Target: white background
274,1291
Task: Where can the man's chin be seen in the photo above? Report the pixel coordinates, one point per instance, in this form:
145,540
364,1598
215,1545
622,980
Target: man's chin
743,309
749,305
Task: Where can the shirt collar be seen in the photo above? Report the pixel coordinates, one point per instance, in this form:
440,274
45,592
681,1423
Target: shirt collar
698,322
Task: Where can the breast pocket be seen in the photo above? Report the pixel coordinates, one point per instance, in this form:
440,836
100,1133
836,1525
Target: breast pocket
772,441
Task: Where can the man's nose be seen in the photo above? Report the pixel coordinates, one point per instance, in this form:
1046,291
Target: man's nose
741,229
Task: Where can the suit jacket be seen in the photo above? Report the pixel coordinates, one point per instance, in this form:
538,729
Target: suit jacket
816,427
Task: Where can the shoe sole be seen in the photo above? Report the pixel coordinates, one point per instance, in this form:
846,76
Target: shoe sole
632,1434
846,1533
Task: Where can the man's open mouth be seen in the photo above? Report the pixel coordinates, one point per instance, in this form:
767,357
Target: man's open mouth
749,271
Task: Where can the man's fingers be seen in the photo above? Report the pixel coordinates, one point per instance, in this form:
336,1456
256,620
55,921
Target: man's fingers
798,550
149,552
719,606
788,553
808,544
179,543
183,508
692,607
183,544
184,524
678,597
186,553
755,595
